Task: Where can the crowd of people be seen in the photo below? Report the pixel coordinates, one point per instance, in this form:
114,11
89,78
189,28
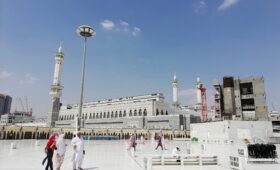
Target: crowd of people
56,143
160,142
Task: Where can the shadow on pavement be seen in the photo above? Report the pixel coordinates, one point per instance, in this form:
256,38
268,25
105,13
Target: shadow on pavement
91,168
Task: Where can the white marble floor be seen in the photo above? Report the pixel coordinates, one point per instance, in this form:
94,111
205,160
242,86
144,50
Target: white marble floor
101,155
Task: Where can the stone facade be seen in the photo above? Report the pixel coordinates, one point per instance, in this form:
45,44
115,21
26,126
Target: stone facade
24,132
145,111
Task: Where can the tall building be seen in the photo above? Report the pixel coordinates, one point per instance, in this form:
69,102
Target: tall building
56,89
218,100
5,104
242,99
175,91
250,98
229,99
2,103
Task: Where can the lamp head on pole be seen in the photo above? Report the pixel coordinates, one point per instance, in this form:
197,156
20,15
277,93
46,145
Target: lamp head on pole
86,31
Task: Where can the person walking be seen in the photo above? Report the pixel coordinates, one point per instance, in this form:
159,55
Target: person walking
132,141
49,149
79,151
163,142
60,151
159,142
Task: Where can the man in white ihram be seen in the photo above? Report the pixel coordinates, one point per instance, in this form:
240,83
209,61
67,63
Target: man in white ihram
175,153
78,155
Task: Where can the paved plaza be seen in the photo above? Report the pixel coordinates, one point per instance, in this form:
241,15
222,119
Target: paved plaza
103,155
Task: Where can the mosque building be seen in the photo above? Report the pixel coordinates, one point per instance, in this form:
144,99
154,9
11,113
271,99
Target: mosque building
149,111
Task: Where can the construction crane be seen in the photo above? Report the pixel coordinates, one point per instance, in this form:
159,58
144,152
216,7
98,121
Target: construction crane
26,103
26,107
203,104
21,103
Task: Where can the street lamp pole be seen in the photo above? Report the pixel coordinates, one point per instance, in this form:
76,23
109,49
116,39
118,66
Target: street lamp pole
84,31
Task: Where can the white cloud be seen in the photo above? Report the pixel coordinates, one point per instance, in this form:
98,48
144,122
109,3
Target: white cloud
226,4
4,74
199,6
6,92
124,25
121,26
28,79
188,96
136,31
107,24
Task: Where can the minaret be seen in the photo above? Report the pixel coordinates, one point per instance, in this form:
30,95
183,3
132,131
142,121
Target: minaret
56,88
175,91
198,91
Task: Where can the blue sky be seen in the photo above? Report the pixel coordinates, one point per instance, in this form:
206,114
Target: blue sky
138,47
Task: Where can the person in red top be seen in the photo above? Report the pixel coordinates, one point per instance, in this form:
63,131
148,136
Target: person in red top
49,149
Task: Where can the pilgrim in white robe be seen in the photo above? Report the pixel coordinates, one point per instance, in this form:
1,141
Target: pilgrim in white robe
78,155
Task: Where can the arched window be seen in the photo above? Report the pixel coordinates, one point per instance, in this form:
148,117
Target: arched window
93,115
135,112
104,115
161,112
90,116
61,117
130,112
157,112
73,117
97,115
166,112
108,115
100,115
124,113
86,116
145,112
65,118
116,114
140,112
112,114
120,113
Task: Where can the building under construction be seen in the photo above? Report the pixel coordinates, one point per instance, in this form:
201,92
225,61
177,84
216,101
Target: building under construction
241,99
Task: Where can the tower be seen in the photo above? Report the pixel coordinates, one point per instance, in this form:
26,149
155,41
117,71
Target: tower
175,91
55,90
198,91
